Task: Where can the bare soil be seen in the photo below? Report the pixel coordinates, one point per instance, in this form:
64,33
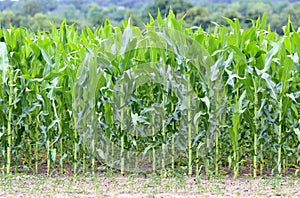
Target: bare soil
112,185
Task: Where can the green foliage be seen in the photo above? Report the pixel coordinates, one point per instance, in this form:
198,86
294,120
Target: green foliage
237,90
202,14
31,7
48,6
95,16
177,6
195,16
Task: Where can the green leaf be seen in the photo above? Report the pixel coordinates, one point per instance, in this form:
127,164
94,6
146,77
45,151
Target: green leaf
271,54
3,60
297,131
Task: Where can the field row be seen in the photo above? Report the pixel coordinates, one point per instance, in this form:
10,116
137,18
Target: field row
163,98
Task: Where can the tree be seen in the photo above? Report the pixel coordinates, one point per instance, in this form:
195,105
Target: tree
114,13
95,15
7,18
31,7
134,16
77,3
48,5
194,15
70,13
178,6
40,21
257,9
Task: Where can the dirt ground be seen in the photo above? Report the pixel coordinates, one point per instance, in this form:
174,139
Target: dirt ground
105,185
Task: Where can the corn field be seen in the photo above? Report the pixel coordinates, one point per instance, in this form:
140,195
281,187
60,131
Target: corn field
160,98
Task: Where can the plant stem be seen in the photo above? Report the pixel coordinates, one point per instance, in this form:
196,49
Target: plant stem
217,151
262,161
29,145
48,157
9,122
255,155
236,121
279,137
58,133
122,155
163,164
17,154
36,153
108,114
190,171
75,152
255,130
93,155
197,154
122,134
61,165
173,139
37,132
137,149
3,151
154,140
207,160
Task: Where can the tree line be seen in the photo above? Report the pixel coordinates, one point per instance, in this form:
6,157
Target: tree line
41,14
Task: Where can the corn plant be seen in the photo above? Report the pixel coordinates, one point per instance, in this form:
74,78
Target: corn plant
161,98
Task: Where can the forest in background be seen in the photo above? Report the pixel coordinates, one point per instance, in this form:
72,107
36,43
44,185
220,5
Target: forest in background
40,14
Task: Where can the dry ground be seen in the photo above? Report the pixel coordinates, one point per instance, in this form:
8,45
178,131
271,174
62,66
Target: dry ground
105,185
